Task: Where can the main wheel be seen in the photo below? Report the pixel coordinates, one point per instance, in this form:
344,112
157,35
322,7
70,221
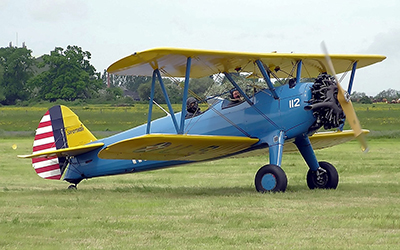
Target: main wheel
326,177
270,178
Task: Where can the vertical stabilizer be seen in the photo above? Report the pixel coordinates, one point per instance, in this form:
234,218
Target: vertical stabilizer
58,128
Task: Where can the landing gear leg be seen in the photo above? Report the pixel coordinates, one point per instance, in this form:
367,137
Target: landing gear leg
74,183
321,174
271,177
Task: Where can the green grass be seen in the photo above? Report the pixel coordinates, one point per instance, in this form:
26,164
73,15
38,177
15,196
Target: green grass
210,205
382,119
95,117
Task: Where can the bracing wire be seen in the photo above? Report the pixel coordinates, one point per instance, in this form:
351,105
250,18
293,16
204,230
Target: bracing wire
345,73
219,78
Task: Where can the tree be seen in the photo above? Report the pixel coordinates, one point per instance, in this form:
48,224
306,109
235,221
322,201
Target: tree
70,76
134,82
145,89
174,91
2,92
389,94
125,82
113,93
356,96
365,100
200,86
15,70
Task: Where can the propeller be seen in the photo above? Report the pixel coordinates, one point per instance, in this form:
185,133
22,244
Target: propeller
347,106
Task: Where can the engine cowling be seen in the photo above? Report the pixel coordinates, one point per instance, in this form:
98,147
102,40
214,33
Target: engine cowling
324,103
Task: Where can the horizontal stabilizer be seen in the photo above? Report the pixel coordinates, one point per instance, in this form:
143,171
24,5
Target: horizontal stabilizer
176,147
65,151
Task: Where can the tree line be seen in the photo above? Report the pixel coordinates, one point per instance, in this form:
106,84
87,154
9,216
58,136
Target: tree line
64,74
67,74
388,96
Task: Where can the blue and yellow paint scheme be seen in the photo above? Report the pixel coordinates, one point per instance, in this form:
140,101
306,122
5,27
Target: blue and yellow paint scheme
274,119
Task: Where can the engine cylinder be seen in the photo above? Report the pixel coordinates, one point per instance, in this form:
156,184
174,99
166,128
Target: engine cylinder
324,103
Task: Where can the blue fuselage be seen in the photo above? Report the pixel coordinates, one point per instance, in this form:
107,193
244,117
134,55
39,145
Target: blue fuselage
265,119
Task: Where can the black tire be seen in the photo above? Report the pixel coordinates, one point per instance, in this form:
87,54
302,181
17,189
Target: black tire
270,178
72,187
326,177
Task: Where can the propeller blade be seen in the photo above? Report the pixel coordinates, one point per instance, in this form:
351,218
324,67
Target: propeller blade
347,106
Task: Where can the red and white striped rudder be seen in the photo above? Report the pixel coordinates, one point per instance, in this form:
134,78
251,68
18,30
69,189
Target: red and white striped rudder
46,167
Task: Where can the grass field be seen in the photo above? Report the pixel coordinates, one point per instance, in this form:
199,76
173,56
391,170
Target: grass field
210,205
98,118
205,206
382,119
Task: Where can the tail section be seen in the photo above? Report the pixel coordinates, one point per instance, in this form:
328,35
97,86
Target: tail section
59,128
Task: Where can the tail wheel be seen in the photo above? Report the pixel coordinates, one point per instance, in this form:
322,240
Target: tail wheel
270,178
326,177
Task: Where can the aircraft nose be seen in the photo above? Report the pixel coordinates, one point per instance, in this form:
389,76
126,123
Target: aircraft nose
324,103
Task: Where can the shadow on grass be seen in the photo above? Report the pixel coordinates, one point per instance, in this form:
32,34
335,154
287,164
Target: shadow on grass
183,190
294,190
191,191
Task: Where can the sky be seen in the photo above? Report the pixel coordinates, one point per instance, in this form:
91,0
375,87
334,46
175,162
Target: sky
111,30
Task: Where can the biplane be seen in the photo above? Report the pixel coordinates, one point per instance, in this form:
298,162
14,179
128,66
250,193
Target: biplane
273,119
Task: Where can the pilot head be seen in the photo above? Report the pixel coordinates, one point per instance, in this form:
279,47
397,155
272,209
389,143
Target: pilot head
191,104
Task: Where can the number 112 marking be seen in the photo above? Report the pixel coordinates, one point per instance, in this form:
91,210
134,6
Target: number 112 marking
294,103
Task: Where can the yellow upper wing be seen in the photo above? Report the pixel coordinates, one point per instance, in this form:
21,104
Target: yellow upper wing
172,62
176,147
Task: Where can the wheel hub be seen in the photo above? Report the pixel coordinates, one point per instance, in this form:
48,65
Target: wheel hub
268,181
321,177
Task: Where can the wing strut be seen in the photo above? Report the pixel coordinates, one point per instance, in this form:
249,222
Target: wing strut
353,72
238,88
185,94
298,73
267,79
153,83
171,111
349,87
248,99
156,73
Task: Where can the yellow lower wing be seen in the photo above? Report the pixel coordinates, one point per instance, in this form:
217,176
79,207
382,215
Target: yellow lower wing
326,139
319,141
176,147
